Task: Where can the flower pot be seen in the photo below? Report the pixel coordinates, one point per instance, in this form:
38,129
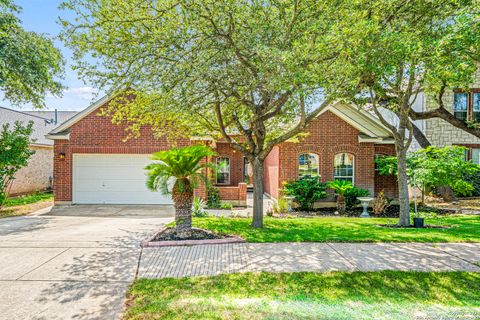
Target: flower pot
419,222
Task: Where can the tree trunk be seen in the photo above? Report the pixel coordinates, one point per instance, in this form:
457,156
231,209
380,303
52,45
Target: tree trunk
404,220
257,165
182,196
341,204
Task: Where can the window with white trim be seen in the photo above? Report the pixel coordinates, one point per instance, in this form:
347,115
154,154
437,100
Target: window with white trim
308,165
223,170
344,167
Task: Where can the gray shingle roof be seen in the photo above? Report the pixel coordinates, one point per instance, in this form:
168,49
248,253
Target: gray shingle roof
42,123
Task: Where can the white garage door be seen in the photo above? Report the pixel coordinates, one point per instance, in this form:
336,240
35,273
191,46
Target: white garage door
113,179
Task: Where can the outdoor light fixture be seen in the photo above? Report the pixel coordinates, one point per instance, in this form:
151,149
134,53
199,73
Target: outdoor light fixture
61,155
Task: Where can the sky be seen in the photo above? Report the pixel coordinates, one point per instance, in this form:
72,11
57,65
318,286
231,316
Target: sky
41,16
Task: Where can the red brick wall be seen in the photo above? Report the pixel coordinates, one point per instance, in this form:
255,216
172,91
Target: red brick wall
271,172
96,134
238,193
386,183
327,136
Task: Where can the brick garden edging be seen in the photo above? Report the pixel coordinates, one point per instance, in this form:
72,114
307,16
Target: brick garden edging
174,243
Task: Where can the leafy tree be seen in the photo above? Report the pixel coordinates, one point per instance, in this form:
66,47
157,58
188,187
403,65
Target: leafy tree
340,187
29,62
397,49
254,73
306,192
14,154
185,168
433,166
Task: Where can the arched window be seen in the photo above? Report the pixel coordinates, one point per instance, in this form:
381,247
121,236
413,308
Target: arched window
223,170
308,165
344,165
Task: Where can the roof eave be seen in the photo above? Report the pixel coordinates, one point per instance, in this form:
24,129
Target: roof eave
58,136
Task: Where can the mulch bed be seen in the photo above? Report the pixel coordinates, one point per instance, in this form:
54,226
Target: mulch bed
167,237
411,226
169,234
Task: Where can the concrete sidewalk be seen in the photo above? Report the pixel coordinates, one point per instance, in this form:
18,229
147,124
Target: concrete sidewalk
318,257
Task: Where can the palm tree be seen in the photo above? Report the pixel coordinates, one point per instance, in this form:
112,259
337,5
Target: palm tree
340,187
181,167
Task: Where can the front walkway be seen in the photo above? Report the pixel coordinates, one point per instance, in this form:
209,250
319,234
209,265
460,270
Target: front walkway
319,257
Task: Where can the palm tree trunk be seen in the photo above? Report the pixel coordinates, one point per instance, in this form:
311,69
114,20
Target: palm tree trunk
182,195
341,203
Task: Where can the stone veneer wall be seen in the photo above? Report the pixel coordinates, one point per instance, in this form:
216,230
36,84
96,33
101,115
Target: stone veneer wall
36,175
441,133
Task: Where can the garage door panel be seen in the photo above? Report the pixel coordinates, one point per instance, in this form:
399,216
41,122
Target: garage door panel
111,173
126,197
111,185
113,179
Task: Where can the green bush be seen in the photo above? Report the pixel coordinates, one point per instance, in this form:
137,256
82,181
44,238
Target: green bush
474,180
281,205
213,200
306,192
226,206
351,196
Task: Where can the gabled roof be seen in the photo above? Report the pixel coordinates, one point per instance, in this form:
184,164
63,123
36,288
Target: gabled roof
372,130
61,130
360,119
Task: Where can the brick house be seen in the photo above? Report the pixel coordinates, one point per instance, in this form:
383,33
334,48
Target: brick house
94,164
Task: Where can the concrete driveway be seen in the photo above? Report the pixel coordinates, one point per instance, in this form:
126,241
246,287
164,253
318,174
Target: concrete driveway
74,262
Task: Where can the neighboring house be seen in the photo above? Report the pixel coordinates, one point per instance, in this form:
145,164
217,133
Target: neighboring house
94,164
38,174
465,105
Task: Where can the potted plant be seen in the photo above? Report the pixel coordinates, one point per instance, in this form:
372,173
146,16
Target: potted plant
418,220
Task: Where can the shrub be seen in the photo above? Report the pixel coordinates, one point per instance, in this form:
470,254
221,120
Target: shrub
213,197
474,180
351,196
306,192
380,204
226,206
198,208
281,205
14,154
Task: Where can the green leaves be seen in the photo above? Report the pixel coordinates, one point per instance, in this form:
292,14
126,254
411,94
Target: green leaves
177,164
340,186
30,65
433,166
306,192
14,154
249,61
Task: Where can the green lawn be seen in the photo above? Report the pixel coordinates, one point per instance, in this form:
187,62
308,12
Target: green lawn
23,205
28,199
332,229
336,295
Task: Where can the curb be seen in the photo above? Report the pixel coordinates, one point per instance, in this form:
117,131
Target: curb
149,243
